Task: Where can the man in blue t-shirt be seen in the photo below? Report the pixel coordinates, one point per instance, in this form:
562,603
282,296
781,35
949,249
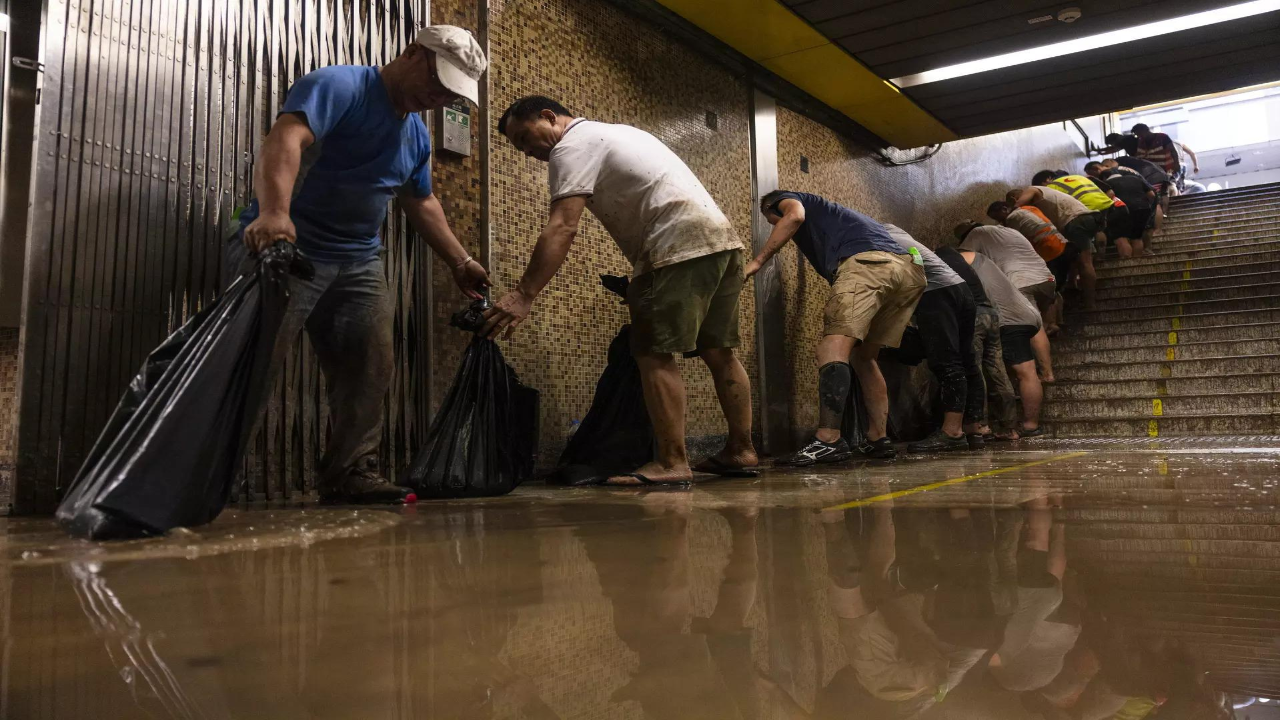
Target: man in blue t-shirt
347,141
875,284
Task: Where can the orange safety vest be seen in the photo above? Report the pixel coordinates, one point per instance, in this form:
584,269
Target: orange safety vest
1083,189
1048,242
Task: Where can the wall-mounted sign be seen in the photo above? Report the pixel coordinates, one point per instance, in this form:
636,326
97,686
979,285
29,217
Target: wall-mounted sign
453,131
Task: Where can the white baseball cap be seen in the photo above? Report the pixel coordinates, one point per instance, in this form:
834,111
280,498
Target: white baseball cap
460,60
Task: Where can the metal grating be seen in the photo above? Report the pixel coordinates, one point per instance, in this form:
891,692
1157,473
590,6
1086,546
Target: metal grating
151,113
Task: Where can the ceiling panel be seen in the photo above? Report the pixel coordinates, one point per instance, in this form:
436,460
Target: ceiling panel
1210,59
901,38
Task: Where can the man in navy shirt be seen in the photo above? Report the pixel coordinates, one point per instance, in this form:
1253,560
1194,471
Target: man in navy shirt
875,284
347,141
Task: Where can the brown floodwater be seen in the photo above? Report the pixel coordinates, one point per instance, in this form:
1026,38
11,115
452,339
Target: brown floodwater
1082,580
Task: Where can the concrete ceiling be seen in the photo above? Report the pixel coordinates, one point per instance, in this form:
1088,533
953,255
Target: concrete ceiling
843,52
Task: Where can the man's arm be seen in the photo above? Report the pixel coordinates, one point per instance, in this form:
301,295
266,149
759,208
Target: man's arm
1025,196
1195,163
274,177
792,219
427,217
548,255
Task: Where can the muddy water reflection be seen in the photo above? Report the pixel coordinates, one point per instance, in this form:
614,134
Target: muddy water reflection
1047,592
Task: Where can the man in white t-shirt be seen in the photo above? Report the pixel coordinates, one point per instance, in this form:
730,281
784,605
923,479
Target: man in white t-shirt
686,270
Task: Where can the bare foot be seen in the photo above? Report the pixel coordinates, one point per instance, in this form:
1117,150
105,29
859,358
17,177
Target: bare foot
1011,435
655,474
1046,379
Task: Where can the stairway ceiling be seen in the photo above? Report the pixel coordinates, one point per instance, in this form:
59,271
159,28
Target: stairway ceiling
893,39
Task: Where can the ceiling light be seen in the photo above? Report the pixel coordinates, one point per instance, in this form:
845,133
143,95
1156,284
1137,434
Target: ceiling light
1091,42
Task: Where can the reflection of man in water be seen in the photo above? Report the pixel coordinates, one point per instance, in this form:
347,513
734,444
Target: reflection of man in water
913,619
645,574
1041,630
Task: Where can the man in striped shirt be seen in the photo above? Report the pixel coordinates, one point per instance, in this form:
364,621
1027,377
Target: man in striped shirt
1157,148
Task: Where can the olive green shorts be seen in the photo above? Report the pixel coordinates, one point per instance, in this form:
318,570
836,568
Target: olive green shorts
686,307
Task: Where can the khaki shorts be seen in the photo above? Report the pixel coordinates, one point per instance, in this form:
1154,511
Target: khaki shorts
873,297
686,307
1042,295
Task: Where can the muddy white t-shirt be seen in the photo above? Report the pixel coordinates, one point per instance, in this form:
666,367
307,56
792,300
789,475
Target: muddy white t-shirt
645,196
1010,251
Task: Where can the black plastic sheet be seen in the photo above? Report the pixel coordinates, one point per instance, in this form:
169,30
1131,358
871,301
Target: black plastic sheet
170,452
616,435
484,440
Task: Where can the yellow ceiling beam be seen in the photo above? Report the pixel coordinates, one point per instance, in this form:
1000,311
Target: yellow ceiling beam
773,36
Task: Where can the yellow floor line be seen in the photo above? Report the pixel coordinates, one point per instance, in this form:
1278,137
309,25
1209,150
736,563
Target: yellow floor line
952,481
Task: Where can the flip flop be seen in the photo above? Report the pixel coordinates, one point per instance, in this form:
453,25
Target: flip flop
645,482
1038,432
715,467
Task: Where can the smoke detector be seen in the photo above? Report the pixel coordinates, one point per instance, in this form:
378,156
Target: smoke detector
1069,15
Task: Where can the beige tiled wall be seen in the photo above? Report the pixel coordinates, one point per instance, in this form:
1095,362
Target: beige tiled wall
8,410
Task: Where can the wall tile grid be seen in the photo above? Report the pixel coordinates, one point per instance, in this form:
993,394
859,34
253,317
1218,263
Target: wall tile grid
604,65
927,200
8,409
456,180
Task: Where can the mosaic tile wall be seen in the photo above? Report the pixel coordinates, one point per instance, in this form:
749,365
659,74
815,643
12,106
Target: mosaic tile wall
457,182
607,66
8,409
927,200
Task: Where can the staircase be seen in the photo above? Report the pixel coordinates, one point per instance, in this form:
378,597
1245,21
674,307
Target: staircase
1187,342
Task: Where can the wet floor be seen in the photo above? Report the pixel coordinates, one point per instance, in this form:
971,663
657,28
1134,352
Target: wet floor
1085,580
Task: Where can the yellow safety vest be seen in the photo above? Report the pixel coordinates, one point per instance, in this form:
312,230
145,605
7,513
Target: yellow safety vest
1083,189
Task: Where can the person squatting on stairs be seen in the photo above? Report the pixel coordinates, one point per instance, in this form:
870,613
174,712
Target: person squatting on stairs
988,354
944,323
1078,225
1019,322
875,285
1114,214
1028,272
1058,254
1137,195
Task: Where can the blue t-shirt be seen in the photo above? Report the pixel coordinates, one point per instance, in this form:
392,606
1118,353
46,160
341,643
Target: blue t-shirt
363,154
832,232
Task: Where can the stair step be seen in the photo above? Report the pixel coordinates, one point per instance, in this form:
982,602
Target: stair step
1145,426
1067,391
1228,292
1269,275
1170,405
1179,367
1202,241
1157,353
1261,205
1167,323
1115,282
1175,254
1167,336
1163,264
1218,196
1213,229
1142,311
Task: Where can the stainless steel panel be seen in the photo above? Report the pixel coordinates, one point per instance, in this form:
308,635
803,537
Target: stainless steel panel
150,115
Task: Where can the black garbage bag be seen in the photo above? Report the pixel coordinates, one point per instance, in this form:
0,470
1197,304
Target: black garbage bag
170,451
616,435
484,439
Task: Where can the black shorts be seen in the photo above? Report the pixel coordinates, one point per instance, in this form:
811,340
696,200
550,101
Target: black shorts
1081,232
1140,220
1061,265
1015,341
1117,219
